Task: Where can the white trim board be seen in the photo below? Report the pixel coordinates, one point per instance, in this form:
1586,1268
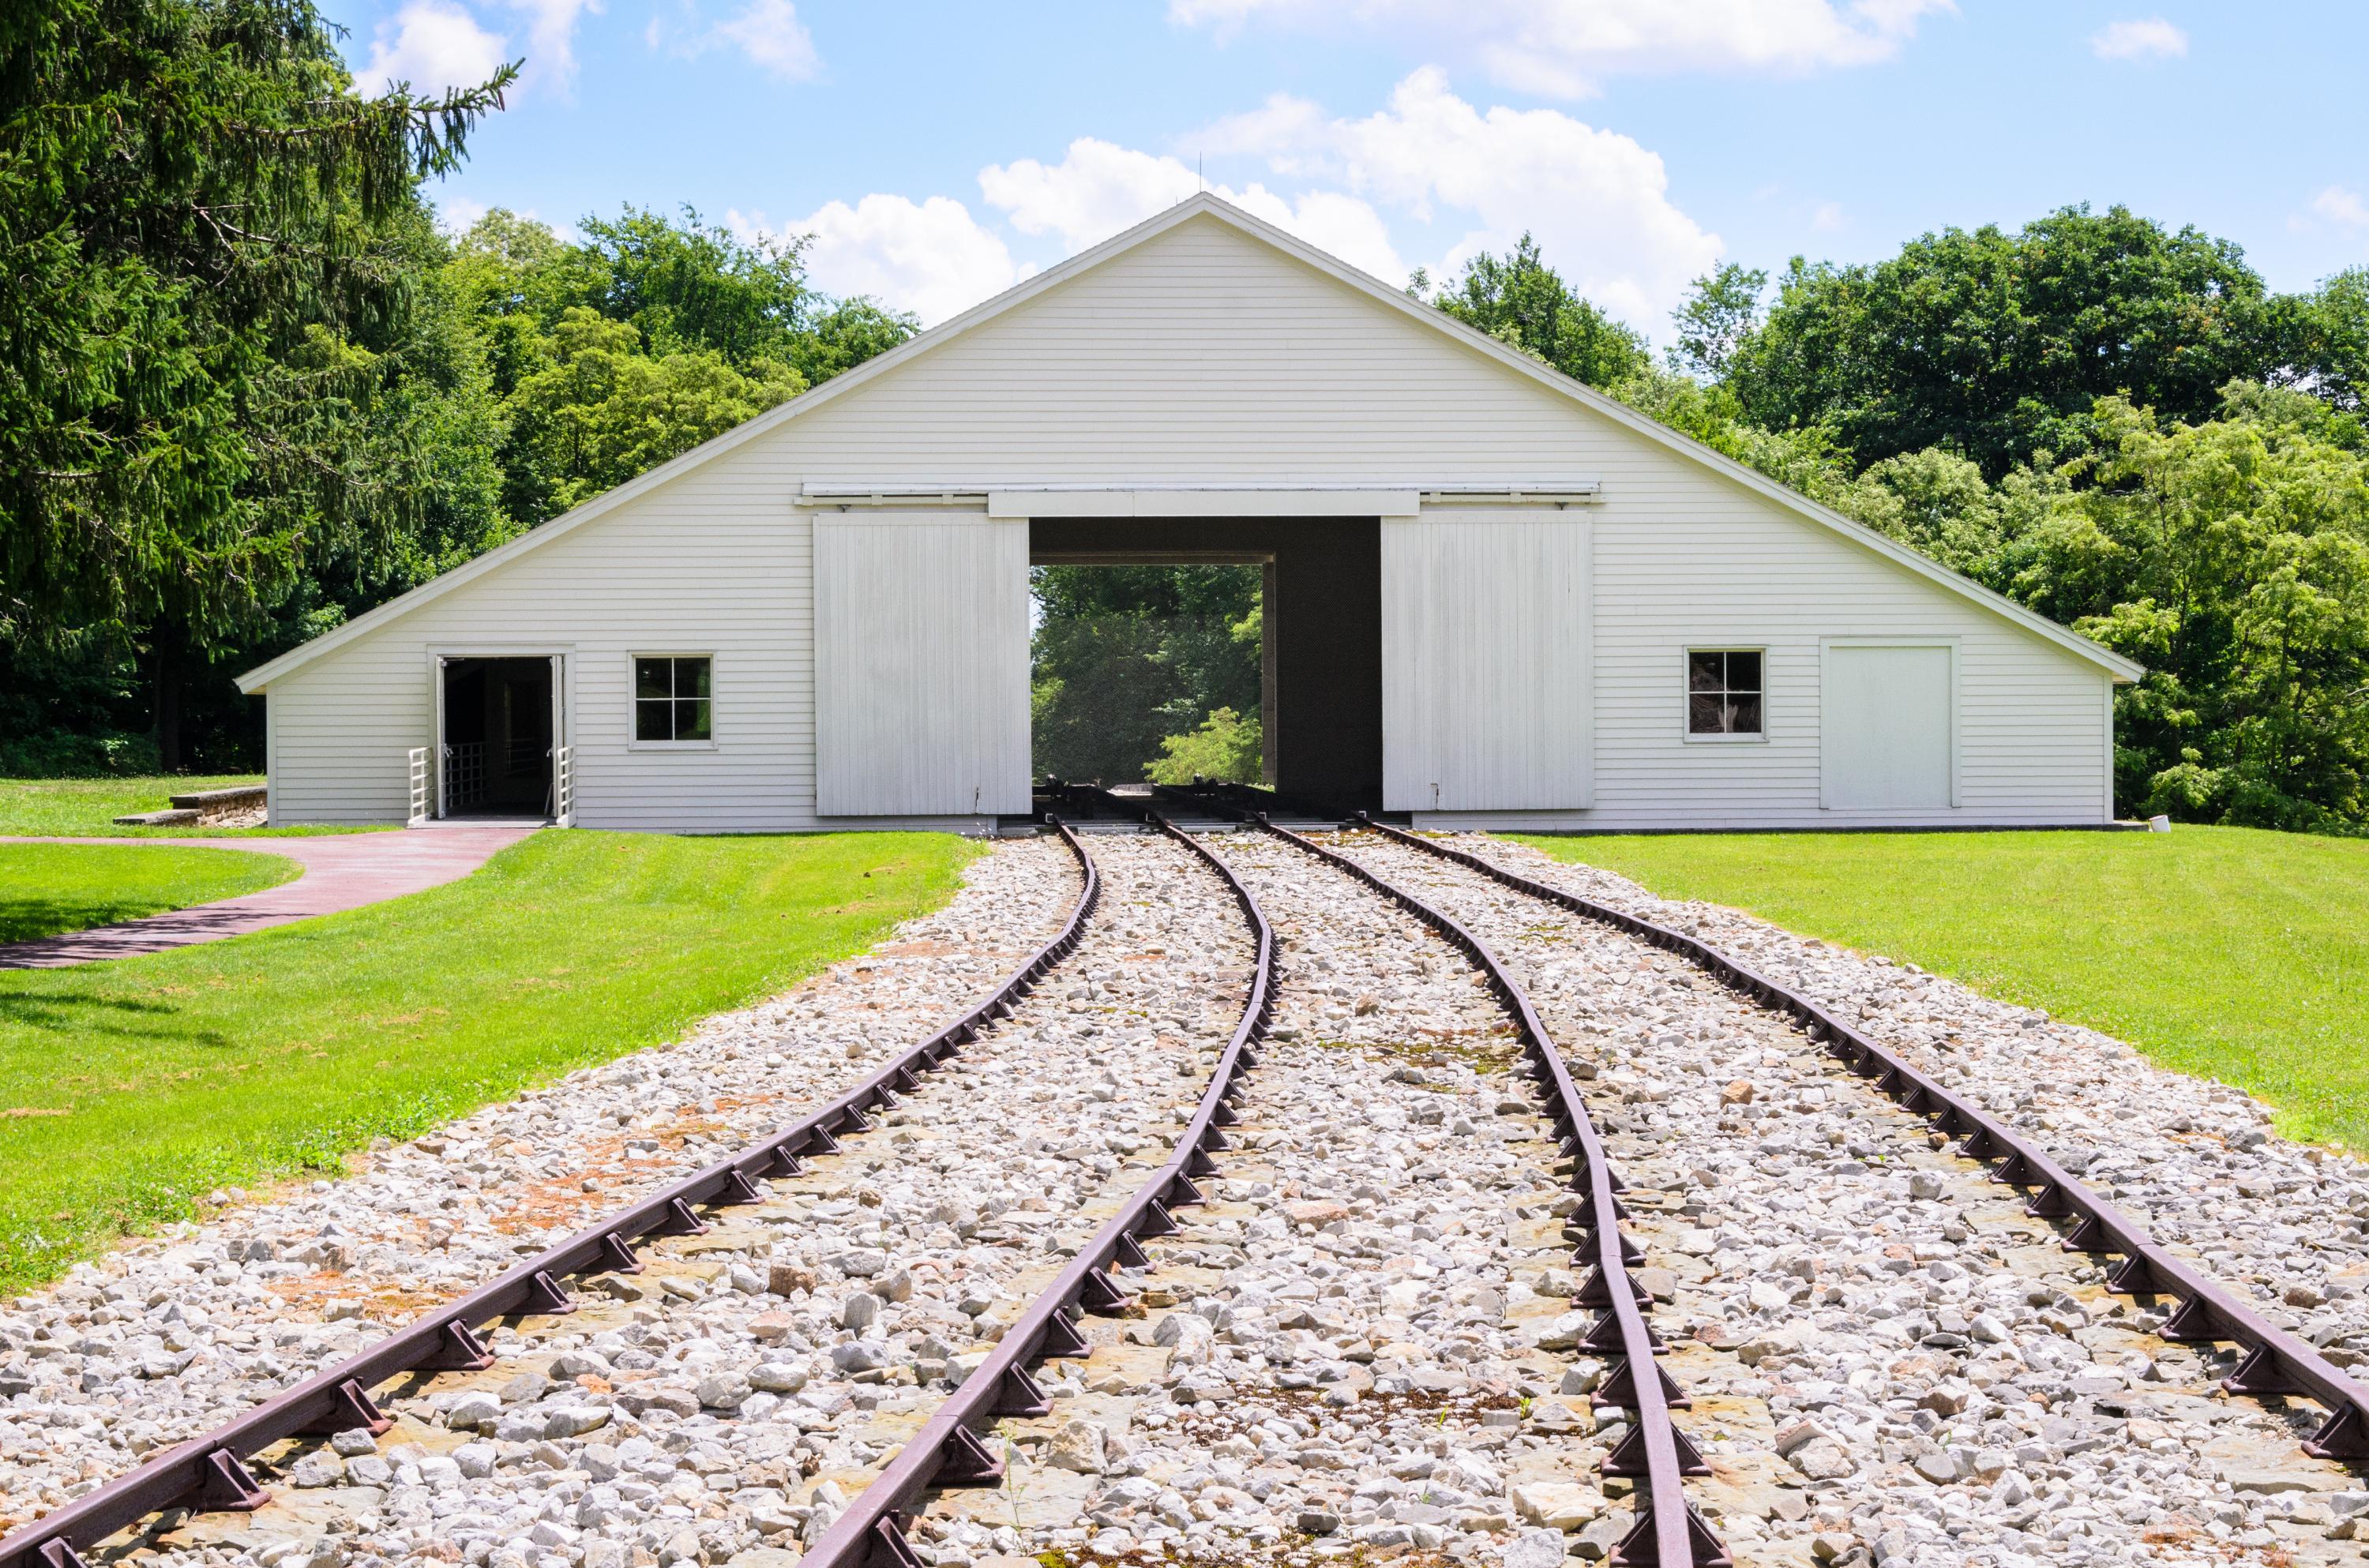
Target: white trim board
1200,206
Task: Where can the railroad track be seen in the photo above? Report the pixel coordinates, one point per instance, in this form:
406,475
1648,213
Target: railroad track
2176,1399
211,1472
950,1449
1668,1531
2276,1362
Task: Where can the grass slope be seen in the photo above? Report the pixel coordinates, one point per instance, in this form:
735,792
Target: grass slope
88,807
49,888
2233,954
129,1090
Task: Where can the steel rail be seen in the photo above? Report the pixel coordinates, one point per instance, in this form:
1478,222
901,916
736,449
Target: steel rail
2276,1364
1668,1533
947,1451
209,1473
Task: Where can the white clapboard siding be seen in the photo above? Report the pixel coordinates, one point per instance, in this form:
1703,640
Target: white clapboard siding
1202,356
1486,649
922,664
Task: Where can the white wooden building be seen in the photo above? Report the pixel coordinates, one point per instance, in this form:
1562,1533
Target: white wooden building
1514,602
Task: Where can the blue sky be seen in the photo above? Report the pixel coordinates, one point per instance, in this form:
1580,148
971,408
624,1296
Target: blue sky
939,153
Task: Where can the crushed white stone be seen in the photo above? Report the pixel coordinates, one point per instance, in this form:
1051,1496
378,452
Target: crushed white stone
1941,1382
166,1338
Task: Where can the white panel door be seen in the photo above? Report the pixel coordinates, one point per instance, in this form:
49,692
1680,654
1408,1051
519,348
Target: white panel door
1488,692
1888,724
921,664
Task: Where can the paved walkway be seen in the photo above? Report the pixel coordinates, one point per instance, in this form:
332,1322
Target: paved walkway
342,871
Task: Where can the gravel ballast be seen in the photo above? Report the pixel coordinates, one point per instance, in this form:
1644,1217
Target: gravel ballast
164,1338
1363,1347
1361,1344
1898,1362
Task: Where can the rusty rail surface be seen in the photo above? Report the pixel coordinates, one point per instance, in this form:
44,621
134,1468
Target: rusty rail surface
209,1472
947,1451
2276,1364
1668,1533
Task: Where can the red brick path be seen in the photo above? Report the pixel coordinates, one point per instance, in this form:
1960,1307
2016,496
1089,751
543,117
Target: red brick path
342,871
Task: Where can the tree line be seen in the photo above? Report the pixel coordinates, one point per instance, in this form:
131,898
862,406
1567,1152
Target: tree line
248,390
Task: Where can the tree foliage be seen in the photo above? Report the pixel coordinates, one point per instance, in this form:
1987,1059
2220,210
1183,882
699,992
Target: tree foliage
1129,657
1521,301
1996,345
212,247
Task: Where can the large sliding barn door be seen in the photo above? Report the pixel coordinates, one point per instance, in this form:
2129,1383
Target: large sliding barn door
921,664
1487,690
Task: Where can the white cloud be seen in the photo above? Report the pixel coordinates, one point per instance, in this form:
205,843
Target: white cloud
1099,189
930,257
2339,205
1568,47
551,40
2151,39
459,214
1597,202
434,45
1827,217
770,34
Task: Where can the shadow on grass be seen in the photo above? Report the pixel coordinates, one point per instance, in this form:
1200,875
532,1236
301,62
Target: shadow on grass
24,920
78,1017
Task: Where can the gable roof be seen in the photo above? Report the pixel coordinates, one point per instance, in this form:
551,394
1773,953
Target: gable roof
1200,206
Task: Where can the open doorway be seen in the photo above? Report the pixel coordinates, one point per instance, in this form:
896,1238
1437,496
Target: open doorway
497,734
1241,649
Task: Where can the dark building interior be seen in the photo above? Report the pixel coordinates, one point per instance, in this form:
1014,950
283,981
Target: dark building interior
497,738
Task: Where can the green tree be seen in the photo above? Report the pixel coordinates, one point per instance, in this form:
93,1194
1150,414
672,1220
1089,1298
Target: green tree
1997,345
2328,334
613,354
1228,746
600,411
2232,557
1720,312
1127,657
210,243
1521,301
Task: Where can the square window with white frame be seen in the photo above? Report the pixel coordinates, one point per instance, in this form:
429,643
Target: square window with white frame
672,699
1724,694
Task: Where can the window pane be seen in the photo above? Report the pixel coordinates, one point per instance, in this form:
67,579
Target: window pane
1743,713
653,720
691,720
1702,672
1703,713
1743,672
691,678
653,678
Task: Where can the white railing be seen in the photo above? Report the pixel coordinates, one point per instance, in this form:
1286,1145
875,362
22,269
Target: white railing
419,786
563,786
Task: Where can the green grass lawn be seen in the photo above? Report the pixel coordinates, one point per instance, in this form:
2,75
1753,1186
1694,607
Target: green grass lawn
2237,955
49,888
88,807
130,1090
